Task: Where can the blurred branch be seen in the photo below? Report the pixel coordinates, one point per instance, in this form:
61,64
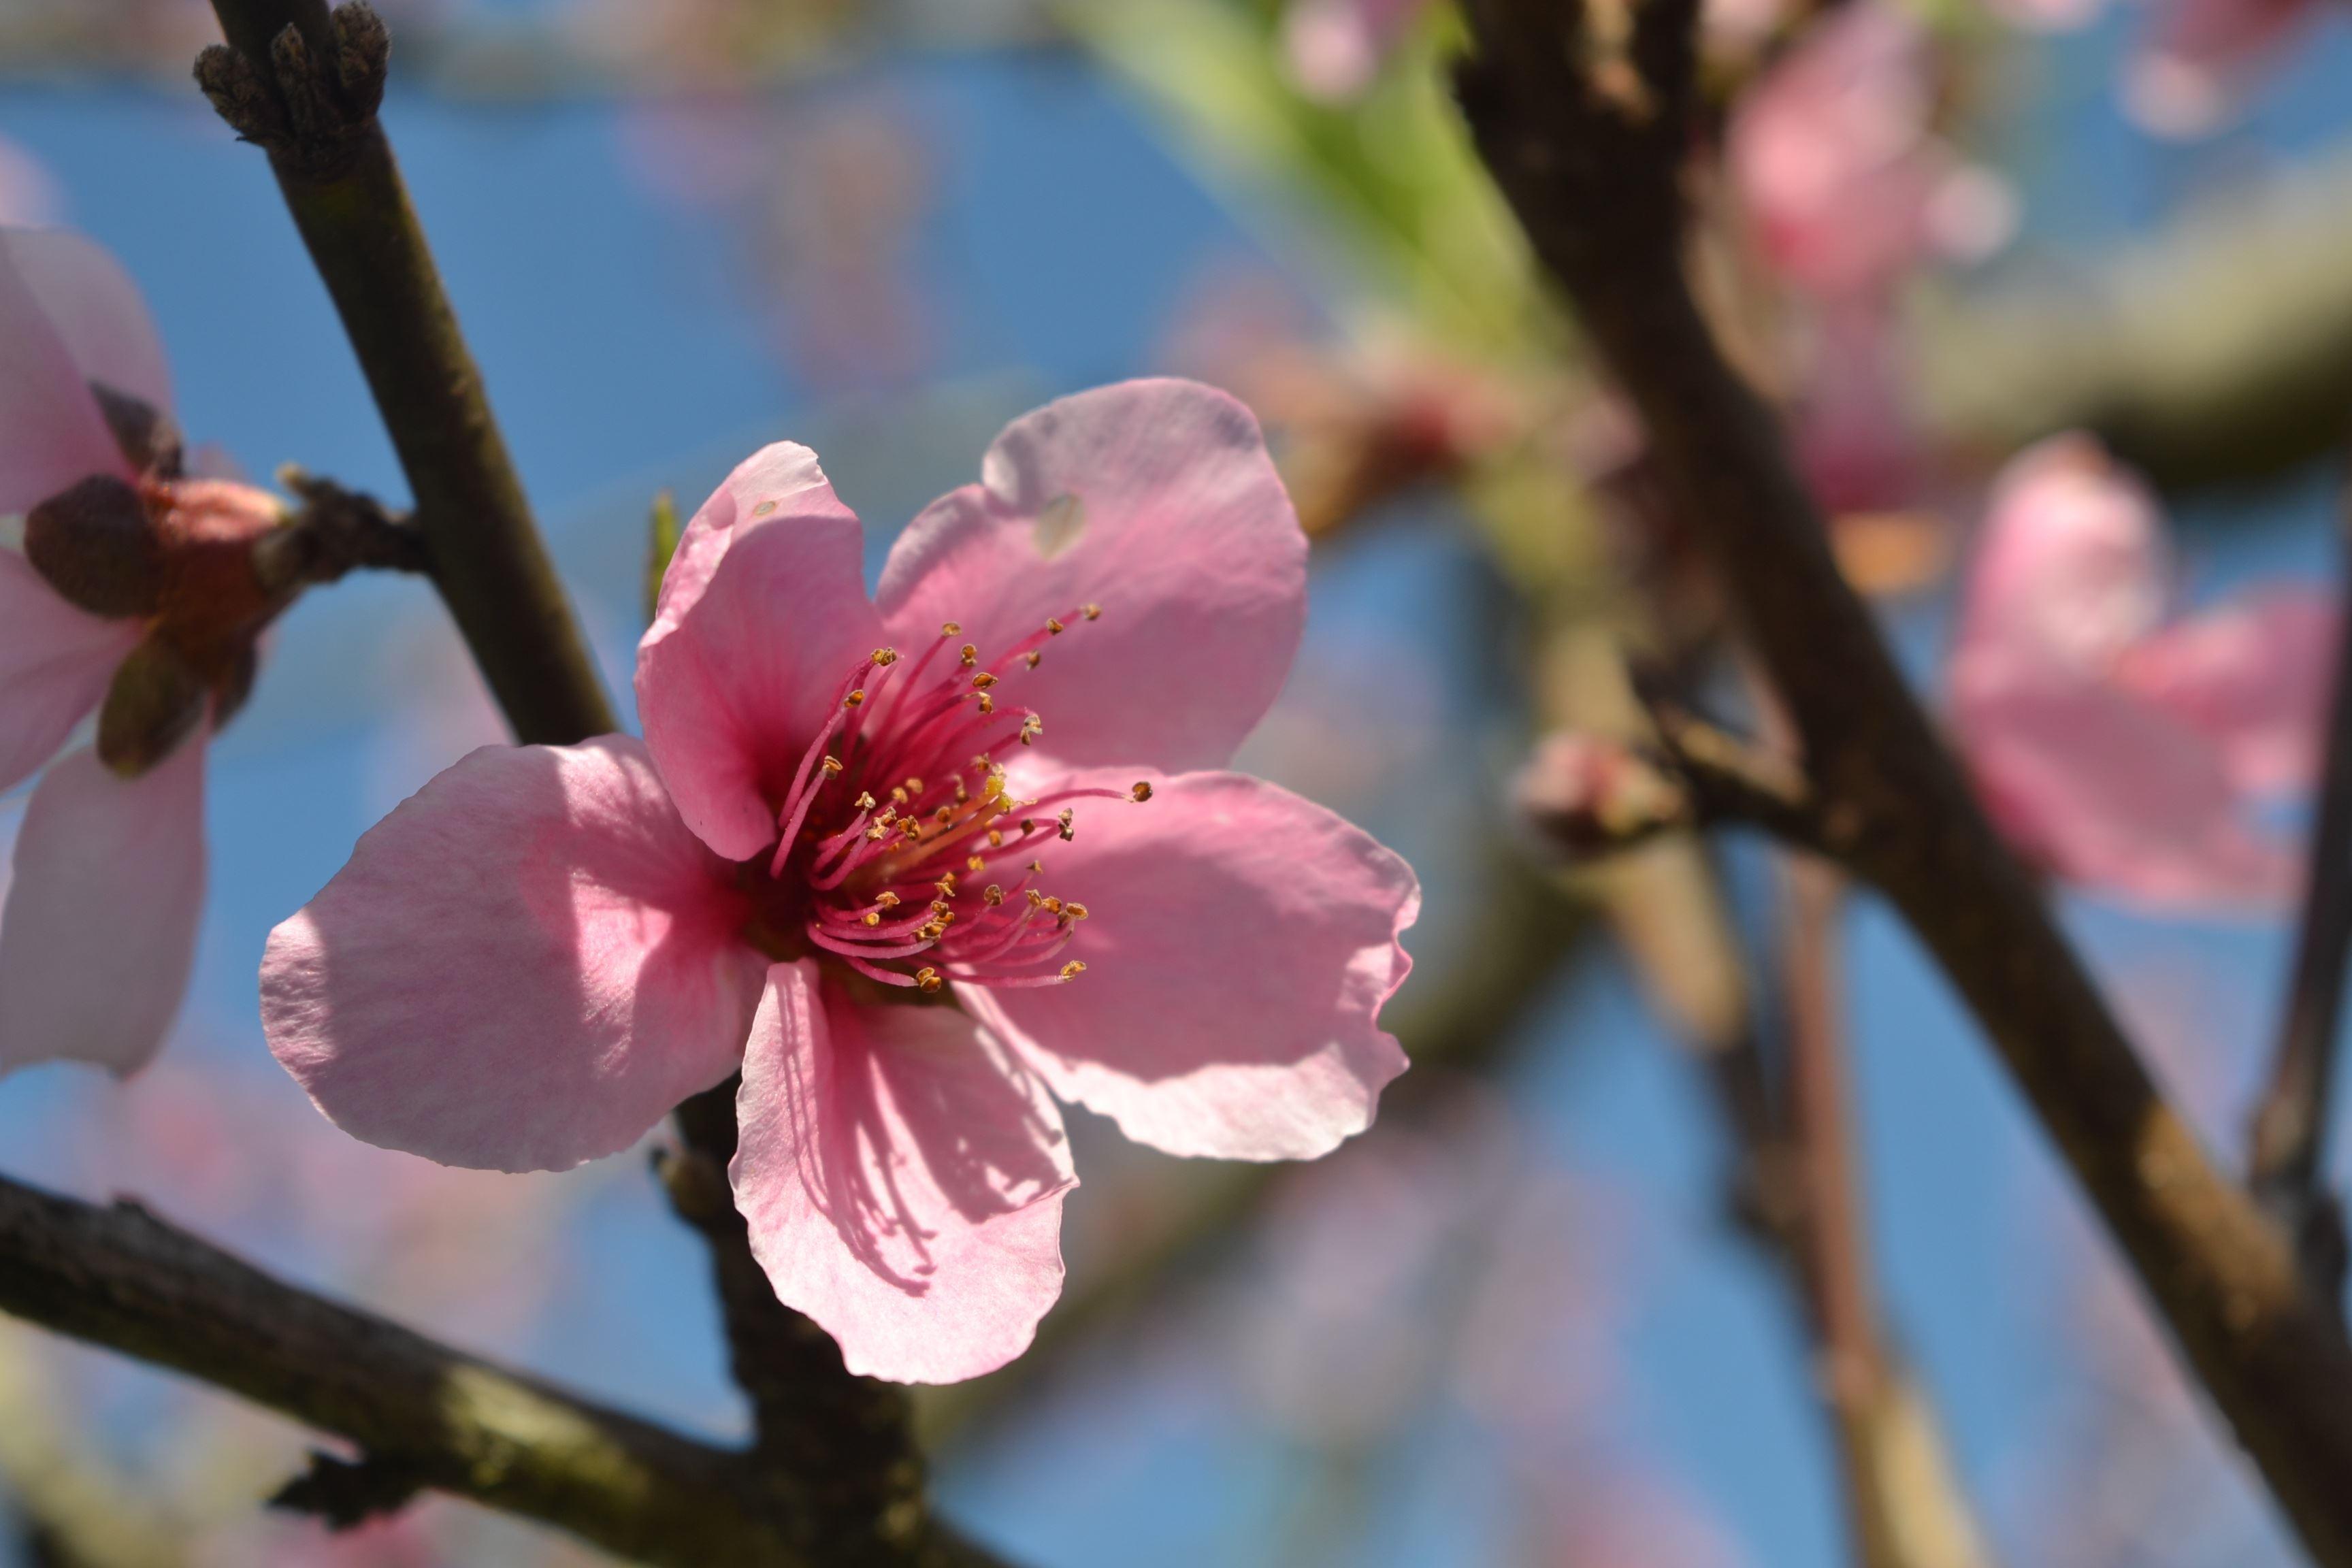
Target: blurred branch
72,1512
120,1278
2220,350
1585,130
1904,1502
305,86
2290,1125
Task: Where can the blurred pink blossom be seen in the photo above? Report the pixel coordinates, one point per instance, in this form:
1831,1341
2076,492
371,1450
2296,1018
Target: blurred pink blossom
2118,746
29,197
2199,58
1836,158
1335,48
530,961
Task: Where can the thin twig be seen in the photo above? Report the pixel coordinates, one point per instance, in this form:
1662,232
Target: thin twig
1585,130
304,85
120,1278
2290,1125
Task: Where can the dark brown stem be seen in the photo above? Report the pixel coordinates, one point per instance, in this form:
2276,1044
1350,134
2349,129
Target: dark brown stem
312,108
2290,1125
1586,141
120,1278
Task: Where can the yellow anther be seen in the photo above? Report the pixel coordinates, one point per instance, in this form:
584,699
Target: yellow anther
1037,867
1072,970
996,838
946,884
933,931
864,801
1054,628
1028,825
854,697
969,656
1035,898
883,656
944,815
991,895
1034,658
830,764
889,815
898,794
962,795
1091,612
1050,904
1031,728
950,628
914,787
974,863
940,906
984,681
879,832
1075,910
1142,791
912,826
926,979
871,918
980,761
888,901
1067,823
987,703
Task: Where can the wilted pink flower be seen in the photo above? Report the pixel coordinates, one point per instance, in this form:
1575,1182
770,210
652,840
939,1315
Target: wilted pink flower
2200,58
122,557
1836,158
2113,746
1335,48
866,878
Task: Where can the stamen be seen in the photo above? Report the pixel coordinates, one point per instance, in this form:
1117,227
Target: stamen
1142,791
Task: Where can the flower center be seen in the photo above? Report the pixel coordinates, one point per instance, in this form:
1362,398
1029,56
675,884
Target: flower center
902,851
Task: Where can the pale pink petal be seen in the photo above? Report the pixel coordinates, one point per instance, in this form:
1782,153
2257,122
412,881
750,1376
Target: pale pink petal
902,1175
521,968
1335,47
51,432
762,615
2072,568
2200,58
100,922
1239,944
1155,499
2102,788
55,663
2252,677
96,311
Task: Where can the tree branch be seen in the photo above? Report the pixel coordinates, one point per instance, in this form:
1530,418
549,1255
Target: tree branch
2290,1126
1585,137
120,1278
304,85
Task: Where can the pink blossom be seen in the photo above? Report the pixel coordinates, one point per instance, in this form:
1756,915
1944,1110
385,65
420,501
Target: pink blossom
2200,58
100,919
1836,158
2114,746
866,878
1335,48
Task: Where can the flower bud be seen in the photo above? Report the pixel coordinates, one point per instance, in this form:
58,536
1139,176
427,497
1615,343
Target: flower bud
156,700
98,547
1588,794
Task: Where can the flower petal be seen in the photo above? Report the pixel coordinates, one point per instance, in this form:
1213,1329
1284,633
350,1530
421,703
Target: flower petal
55,663
101,923
521,968
51,432
762,615
902,1175
2072,568
1239,945
96,311
2108,790
2252,677
1157,500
